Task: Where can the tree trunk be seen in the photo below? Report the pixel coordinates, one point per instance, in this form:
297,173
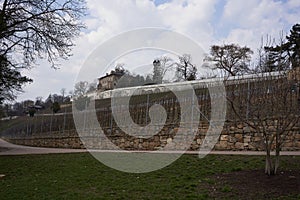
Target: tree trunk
276,161
269,169
277,149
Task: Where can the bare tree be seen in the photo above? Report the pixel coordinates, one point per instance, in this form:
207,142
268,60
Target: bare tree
31,30
231,58
92,87
80,89
71,93
263,63
63,93
80,98
185,70
269,107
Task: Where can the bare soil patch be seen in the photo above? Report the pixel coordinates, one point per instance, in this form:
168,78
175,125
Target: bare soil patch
255,184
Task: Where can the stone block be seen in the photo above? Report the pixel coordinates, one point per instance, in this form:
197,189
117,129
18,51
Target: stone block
199,141
246,129
239,131
272,129
239,145
169,140
151,145
247,139
224,137
223,144
252,147
145,145
240,126
218,147
156,138
127,144
136,146
288,144
239,137
232,128
297,136
257,139
232,139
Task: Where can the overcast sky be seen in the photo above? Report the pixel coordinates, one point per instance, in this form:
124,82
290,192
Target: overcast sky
207,22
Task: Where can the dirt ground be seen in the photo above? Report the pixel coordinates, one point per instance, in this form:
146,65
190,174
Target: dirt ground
255,184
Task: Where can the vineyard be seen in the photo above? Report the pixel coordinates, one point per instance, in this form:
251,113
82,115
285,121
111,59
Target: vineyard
270,102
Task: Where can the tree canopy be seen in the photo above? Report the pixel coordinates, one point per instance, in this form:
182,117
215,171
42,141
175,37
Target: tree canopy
55,107
11,80
31,30
231,58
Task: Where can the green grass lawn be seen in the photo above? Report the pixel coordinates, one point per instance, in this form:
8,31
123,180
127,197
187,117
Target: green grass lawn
80,176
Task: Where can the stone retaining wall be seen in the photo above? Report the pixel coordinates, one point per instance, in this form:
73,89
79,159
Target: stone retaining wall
233,137
59,130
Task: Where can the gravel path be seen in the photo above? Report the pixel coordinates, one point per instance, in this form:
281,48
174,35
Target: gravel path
12,149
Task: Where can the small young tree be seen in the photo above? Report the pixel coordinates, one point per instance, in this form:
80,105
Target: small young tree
268,105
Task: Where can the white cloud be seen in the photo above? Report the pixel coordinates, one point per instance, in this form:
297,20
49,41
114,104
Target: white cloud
293,4
248,21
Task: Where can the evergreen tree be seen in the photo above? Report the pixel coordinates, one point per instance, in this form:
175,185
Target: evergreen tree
287,54
11,80
293,45
55,107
